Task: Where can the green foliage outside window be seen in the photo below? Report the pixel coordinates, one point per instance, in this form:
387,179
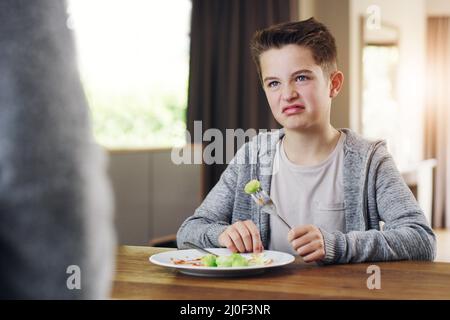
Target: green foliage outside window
138,120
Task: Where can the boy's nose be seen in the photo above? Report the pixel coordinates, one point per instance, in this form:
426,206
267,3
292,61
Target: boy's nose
289,93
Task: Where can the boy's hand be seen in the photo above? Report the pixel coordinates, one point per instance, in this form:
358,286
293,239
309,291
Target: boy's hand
308,241
242,236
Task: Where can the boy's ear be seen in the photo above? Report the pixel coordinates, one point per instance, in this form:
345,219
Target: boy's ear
336,81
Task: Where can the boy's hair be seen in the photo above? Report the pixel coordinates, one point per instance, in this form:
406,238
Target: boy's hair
308,33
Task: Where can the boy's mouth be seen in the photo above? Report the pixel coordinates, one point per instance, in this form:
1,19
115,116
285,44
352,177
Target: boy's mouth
292,109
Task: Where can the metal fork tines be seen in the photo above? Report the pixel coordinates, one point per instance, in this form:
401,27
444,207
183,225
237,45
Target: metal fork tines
263,200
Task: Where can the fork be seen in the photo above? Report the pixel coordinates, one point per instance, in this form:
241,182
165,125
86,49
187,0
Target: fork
263,200
194,246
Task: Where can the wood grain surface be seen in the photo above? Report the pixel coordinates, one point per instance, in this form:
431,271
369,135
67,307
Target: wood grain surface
137,278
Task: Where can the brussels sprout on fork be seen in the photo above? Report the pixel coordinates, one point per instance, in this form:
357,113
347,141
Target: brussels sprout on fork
262,199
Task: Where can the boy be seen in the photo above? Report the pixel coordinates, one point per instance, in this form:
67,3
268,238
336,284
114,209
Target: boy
332,186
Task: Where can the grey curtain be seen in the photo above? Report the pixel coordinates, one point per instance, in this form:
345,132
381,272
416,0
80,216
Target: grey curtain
224,89
437,115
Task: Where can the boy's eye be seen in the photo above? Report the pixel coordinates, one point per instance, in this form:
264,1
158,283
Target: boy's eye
301,78
273,84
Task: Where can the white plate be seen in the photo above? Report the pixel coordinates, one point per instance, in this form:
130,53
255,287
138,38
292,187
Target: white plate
164,259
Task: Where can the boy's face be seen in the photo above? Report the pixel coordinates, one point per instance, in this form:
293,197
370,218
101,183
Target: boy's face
297,90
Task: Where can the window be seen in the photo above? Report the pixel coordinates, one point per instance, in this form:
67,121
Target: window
133,57
380,118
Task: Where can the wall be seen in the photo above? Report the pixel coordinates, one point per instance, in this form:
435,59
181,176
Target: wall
153,195
438,7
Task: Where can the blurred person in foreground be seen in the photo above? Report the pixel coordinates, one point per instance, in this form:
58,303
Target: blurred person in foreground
55,197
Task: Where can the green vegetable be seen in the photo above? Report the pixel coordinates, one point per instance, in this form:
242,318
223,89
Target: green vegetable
233,260
238,260
209,260
224,261
252,186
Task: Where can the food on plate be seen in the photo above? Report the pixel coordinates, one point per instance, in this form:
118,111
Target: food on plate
224,261
228,261
252,186
209,260
233,260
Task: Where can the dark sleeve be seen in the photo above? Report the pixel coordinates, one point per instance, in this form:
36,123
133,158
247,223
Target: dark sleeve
55,199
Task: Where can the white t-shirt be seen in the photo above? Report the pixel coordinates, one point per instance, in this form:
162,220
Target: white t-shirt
307,195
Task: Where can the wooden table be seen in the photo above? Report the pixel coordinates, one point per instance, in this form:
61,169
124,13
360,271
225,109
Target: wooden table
137,278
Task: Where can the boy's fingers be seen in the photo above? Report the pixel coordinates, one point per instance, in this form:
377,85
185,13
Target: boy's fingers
242,236
257,244
245,235
237,240
228,243
297,232
315,256
303,240
307,249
